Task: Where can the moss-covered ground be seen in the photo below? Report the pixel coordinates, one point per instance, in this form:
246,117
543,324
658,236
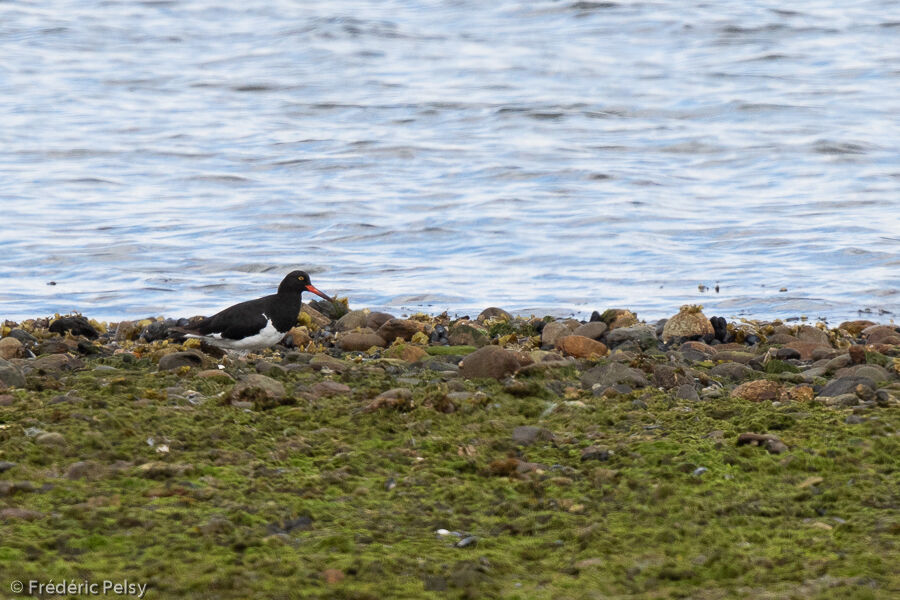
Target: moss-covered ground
322,499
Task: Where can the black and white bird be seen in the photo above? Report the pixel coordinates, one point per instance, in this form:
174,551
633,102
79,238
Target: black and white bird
255,324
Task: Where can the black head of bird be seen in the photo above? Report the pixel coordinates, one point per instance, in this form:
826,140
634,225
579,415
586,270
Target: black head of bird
297,282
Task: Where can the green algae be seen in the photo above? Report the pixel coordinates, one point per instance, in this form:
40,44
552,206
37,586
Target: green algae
245,503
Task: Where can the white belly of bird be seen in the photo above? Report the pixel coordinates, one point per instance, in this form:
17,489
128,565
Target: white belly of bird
268,336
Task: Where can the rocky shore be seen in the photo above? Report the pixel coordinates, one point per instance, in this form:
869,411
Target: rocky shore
371,455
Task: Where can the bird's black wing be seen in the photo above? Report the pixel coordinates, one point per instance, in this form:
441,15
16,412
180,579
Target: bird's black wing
235,322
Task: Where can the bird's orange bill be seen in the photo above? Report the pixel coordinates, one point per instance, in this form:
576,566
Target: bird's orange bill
312,288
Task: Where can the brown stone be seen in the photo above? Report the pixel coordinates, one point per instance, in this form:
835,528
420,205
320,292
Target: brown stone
879,334
806,349
857,355
554,330
406,352
854,328
757,391
697,347
332,576
10,348
352,320
618,317
399,328
808,333
490,361
215,374
299,336
581,347
376,319
733,356
799,393
493,312
690,322
360,342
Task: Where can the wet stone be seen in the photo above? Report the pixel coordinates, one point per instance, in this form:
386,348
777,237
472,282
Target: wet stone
76,326
176,360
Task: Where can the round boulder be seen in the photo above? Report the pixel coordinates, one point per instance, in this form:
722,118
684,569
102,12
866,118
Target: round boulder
489,361
689,323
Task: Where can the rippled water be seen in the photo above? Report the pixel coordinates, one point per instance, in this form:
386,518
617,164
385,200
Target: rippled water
172,157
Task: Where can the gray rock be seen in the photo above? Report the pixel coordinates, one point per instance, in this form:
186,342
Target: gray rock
731,370
787,354
525,435
254,384
10,375
553,331
23,336
490,361
874,372
464,333
643,335
324,389
55,363
687,392
604,376
593,330
807,333
845,385
352,320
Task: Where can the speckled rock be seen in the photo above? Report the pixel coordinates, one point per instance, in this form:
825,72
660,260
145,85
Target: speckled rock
580,346
490,361
757,391
690,322
299,337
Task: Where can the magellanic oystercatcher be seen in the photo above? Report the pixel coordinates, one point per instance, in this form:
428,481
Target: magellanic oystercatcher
255,324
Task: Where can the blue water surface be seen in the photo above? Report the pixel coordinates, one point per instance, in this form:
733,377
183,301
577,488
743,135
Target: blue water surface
173,157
